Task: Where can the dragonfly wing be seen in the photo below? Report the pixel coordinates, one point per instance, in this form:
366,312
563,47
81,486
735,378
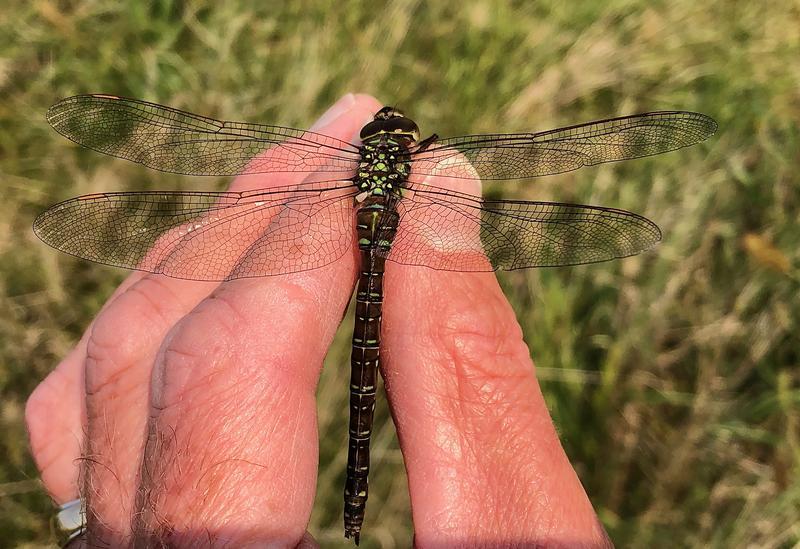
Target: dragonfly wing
452,231
171,140
207,235
525,155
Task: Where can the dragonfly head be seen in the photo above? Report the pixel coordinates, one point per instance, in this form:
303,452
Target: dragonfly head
392,122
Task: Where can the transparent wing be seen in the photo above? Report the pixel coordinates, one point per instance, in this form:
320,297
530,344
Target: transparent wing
452,231
523,155
207,235
171,140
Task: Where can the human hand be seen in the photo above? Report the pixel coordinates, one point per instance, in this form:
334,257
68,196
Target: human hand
186,416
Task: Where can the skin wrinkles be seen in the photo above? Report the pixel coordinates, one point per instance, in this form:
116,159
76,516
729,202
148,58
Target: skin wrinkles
479,368
232,460
116,397
193,351
500,483
268,310
210,490
161,298
231,326
268,382
195,344
125,420
60,432
252,423
111,352
492,379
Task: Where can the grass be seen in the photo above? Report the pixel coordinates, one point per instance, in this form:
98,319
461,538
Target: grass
673,376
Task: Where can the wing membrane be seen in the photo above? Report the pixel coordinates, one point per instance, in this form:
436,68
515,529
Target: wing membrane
207,235
452,231
524,155
171,140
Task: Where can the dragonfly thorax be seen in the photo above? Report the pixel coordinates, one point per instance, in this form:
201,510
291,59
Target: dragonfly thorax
384,165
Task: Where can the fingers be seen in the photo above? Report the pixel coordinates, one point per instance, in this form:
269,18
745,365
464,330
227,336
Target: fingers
233,417
483,458
123,344
244,366
56,417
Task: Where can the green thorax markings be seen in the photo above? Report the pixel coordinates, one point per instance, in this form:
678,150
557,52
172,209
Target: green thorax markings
384,166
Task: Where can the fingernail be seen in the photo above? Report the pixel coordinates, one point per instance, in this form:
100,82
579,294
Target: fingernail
333,113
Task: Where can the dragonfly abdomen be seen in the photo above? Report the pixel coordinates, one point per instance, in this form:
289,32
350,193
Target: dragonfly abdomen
377,224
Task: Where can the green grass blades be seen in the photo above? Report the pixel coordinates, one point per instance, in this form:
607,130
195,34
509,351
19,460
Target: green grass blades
672,376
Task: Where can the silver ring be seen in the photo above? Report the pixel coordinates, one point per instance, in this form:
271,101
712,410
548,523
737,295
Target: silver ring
71,520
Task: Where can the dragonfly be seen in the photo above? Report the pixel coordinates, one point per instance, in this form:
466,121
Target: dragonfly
378,194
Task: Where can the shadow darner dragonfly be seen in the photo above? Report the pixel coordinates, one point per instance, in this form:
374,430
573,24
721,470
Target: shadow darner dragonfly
376,195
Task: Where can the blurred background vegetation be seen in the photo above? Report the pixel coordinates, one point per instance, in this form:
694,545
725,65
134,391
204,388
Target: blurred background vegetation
672,376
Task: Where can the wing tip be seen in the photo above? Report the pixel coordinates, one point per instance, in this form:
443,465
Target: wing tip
713,126
708,125
37,225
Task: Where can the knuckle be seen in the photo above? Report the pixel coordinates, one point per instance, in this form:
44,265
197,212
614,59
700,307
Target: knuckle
488,370
126,332
480,344
282,304
228,340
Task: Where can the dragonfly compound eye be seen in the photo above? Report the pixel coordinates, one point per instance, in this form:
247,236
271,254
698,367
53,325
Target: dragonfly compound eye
399,127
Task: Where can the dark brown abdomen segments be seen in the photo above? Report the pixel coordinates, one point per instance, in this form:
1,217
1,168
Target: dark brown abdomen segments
376,226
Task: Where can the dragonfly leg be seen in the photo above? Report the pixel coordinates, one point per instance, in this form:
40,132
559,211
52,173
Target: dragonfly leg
425,143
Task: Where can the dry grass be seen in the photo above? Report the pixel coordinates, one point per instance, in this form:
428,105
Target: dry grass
673,376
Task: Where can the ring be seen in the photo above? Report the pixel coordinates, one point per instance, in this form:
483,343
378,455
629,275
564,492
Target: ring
71,521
